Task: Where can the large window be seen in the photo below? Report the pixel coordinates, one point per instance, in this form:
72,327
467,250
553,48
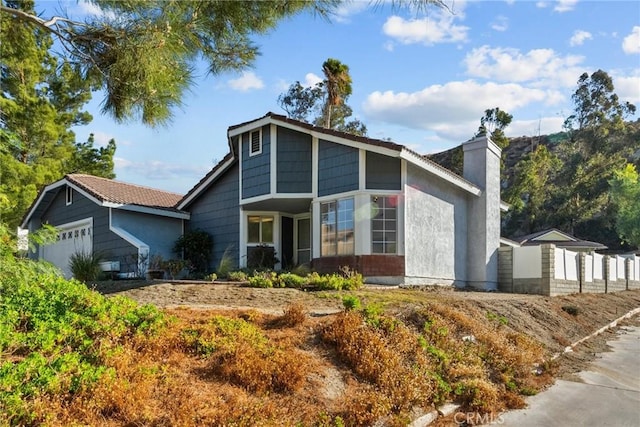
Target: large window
337,228
384,224
259,229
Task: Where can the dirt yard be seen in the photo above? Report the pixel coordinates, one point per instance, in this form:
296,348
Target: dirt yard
557,322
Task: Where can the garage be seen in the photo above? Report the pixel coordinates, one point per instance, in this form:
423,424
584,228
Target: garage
73,237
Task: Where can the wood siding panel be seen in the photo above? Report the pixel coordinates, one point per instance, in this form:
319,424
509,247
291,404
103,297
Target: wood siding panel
217,212
256,169
382,172
337,168
294,161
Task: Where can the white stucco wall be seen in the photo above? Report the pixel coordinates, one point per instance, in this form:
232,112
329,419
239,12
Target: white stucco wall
527,262
435,229
559,270
588,268
598,267
620,264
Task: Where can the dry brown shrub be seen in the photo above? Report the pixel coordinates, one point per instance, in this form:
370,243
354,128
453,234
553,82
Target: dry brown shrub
390,360
294,314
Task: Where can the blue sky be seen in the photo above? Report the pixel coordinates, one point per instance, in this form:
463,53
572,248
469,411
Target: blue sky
423,80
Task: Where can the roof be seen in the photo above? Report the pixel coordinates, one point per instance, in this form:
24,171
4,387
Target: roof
111,193
109,190
335,135
558,238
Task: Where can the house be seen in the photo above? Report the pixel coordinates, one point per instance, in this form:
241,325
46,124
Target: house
560,239
124,223
331,199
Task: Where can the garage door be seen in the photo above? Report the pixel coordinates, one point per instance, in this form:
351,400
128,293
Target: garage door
75,237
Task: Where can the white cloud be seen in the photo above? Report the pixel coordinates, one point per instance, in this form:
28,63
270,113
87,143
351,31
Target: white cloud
628,88
388,46
158,170
91,9
565,6
452,110
311,79
579,37
541,126
246,82
439,28
347,9
101,139
631,43
544,67
501,23
541,4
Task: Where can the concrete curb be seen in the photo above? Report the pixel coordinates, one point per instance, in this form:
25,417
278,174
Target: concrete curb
613,324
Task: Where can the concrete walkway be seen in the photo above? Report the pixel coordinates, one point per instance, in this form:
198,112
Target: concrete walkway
609,396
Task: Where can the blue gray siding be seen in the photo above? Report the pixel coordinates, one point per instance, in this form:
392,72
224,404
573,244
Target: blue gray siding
105,241
217,212
256,169
383,172
160,233
294,161
337,168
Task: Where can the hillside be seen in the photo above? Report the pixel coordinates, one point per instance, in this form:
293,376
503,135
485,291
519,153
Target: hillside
231,355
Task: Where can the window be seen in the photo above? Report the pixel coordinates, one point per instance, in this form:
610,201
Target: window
384,224
337,228
256,143
69,195
259,229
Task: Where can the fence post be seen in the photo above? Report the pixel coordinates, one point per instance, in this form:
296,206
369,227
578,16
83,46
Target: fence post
582,269
627,272
548,268
605,273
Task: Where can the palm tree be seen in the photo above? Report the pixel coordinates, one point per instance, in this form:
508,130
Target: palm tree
338,86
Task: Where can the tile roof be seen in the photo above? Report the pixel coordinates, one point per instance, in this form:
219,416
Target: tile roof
109,190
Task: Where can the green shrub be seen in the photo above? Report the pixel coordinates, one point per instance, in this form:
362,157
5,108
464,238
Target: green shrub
291,280
237,276
212,277
351,302
196,246
264,279
85,266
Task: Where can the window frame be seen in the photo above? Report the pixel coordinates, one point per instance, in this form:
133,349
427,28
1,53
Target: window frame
338,218
385,231
261,240
251,150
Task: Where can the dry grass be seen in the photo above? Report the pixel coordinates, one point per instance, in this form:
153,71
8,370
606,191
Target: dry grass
249,368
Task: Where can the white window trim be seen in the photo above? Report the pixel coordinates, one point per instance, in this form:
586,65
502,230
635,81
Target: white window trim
259,151
69,195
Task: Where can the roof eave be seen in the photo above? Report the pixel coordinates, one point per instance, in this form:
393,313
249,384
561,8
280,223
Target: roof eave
439,171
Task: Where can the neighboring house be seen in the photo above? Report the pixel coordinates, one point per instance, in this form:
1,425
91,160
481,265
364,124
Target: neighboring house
331,199
124,223
560,239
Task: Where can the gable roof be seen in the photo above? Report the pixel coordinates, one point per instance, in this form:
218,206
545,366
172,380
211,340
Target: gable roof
377,145
111,193
558,238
